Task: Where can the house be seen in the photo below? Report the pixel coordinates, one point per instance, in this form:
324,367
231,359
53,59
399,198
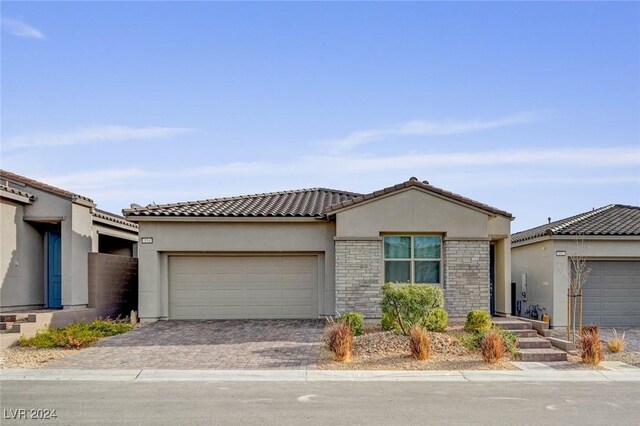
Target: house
60,252
314,252
609,239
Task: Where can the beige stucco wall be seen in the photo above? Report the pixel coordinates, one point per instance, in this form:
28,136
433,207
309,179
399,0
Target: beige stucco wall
412,210
22,271
547,279
21,259
535,260
207,238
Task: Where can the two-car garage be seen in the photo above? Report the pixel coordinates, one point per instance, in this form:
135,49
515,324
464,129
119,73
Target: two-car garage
243,286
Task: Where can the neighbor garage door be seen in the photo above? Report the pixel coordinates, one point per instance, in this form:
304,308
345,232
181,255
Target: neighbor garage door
611,295
233,287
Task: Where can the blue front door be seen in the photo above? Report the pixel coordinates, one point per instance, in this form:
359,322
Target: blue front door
54,270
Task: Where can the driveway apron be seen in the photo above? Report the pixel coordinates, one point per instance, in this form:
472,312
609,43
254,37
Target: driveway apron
215,344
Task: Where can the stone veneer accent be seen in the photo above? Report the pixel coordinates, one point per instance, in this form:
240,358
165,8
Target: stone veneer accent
358,276
466,271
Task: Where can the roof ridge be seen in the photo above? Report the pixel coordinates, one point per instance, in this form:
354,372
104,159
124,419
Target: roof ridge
580,218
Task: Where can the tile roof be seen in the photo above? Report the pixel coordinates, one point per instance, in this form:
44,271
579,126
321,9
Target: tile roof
6,175
16,191
414,182
614,219
112,217
310,202
313,202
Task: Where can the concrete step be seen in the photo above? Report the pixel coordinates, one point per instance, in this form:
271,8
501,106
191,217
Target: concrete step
533,343
513,325
542,355
524,333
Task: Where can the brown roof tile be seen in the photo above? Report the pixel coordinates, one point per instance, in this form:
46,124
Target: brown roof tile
6,175
611,220
296,203
112,217
16,191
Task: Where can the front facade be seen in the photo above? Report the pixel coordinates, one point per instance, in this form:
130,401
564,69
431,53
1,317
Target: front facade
608,239
47,235
317,252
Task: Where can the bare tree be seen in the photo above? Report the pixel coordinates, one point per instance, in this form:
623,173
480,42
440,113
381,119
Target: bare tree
576,270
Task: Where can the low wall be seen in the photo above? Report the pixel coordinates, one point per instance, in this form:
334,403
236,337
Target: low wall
113,284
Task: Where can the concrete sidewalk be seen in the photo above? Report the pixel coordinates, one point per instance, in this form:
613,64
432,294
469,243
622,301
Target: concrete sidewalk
319,375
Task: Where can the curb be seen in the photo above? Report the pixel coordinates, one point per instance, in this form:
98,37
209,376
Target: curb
150,376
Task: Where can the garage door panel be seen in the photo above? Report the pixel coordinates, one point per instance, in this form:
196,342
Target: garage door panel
611,295
218,287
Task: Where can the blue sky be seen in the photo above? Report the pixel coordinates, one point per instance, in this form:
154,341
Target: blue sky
530,107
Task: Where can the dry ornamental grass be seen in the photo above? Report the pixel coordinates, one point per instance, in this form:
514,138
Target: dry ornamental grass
492,347
419,343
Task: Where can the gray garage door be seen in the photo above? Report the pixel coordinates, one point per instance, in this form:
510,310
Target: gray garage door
611,296
235,287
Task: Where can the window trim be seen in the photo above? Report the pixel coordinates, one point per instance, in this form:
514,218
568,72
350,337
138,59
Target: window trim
413,259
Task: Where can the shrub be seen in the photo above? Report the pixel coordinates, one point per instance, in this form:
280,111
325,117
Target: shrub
340,341
478,321
355,321
437,320
409,304
616,344
419,343
77,335
492,347
388,323
589,345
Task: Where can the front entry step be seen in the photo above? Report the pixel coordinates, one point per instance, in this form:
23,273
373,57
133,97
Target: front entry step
532,347
542,355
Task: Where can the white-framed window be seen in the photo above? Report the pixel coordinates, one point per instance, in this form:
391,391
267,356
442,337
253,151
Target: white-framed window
413,258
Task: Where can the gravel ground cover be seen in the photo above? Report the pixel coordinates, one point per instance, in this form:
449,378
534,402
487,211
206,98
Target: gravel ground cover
19,357
377,349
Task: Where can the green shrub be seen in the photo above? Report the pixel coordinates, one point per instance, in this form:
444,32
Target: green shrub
388,323
409,304
437,320
355,321
478,321
77,335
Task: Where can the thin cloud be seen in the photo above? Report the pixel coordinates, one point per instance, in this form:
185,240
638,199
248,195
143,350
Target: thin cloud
429,128
90,135
20,29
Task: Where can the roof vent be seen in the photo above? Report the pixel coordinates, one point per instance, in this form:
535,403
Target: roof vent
548,220
426,182
413,179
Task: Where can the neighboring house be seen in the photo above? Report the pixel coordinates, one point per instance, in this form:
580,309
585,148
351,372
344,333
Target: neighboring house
314,252
609,238
48,235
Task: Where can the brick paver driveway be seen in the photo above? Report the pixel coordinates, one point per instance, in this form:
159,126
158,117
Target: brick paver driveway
238,344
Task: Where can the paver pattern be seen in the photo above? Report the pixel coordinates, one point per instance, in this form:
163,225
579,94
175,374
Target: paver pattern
226,345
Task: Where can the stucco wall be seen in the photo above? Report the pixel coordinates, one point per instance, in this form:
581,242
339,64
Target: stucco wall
412,210
21,260
547,279
229,237
535,260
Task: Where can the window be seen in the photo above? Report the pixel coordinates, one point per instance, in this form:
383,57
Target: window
413,259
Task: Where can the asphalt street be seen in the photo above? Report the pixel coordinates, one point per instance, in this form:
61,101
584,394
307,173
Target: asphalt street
322,403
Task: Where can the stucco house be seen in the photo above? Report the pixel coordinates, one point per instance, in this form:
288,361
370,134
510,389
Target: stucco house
314,252
609,239
59,251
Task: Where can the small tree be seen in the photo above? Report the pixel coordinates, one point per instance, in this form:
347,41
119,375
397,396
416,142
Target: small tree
576,270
